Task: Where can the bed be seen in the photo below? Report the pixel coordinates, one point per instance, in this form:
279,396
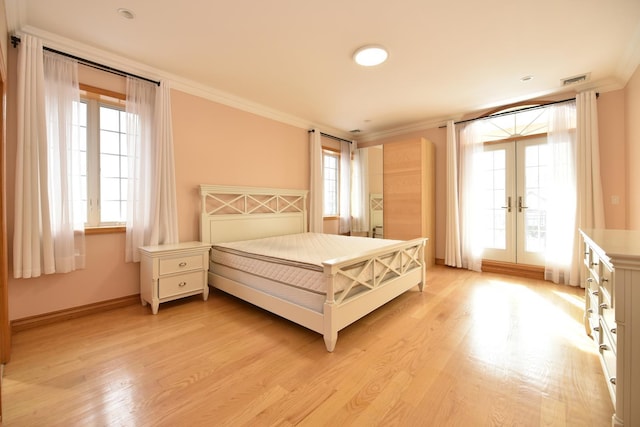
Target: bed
319,291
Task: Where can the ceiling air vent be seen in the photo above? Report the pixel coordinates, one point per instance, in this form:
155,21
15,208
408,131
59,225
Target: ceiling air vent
575,79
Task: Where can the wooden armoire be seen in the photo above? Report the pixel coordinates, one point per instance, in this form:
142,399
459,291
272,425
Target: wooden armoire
409,192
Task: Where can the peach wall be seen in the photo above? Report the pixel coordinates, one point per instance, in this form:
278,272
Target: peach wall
611,134
217,144
632,115
105,277
213,144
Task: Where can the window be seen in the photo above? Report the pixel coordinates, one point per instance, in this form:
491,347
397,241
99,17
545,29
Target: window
331,185
103,175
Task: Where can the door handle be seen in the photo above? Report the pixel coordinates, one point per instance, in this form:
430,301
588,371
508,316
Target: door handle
520,205
508,207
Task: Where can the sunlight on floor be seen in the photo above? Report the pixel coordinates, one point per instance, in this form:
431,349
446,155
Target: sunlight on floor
517,329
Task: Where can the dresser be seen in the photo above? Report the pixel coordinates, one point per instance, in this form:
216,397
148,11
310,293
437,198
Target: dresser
169,272
612,314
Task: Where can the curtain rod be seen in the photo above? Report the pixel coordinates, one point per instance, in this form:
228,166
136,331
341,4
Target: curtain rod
331,136
15,41
533,107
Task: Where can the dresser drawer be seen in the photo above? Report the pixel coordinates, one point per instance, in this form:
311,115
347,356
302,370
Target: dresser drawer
608,317
606,282
594,265
608,355
178,264
179,284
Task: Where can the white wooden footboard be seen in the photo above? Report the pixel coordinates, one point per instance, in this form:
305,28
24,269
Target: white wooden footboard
374,278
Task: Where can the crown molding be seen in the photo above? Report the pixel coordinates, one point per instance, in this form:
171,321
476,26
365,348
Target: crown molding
403,130
182,84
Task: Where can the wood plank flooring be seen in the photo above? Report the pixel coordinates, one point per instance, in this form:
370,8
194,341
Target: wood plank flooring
471,350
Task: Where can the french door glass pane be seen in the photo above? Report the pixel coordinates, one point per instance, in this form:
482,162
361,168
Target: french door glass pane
493,167
535,200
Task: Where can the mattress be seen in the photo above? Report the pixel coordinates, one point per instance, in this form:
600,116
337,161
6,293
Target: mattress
294,261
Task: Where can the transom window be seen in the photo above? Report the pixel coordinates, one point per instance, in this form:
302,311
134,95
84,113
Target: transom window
506,125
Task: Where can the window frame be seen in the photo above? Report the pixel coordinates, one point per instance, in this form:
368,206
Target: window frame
95,98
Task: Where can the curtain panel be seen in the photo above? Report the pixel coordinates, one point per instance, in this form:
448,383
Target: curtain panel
344,226
470,199
453,249
316,224
561,195
47,237
360,191
151,197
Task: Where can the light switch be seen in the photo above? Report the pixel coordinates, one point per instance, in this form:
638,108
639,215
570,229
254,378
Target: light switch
615,200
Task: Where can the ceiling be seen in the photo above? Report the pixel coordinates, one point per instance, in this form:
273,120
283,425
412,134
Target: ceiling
446,58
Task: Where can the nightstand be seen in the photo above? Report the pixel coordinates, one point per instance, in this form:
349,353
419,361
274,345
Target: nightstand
169,272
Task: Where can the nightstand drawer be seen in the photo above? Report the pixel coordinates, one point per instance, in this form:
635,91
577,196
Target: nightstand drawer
178,264
182,283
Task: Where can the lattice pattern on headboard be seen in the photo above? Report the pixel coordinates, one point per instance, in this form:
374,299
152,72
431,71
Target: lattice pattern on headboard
240,213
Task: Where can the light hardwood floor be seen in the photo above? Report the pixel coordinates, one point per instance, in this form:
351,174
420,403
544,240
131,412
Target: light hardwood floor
471,350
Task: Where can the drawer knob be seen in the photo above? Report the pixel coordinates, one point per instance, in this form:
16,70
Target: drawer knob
182,284
603,347
614,330
612,380
594,264
182,264
595,293
596,328
604,306
590,279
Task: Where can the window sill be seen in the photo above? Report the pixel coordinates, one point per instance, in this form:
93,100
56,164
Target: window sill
105,230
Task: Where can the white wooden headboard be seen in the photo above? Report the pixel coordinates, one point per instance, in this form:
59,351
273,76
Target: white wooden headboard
242,213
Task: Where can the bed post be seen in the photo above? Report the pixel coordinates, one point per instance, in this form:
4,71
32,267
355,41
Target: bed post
424,265
330,333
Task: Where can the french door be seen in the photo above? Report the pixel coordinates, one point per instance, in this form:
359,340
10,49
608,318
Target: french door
514,200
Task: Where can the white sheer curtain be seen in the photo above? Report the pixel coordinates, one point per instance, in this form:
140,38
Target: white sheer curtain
344,225
360,191
151,200
47,237
589,204
316,224
165,206
561,192
590,199
471,145
453,250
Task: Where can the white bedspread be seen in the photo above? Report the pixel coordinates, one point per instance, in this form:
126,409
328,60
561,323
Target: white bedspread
307,248
295,259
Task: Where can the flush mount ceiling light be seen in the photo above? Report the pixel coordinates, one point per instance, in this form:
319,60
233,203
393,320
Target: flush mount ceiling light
526,79
126,13
369,56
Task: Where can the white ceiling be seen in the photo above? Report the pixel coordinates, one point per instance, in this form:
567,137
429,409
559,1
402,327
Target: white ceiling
446,58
